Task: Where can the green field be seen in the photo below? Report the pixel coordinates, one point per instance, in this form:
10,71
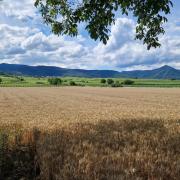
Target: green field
22,81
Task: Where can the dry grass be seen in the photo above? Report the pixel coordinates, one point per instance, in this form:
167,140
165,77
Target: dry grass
89,133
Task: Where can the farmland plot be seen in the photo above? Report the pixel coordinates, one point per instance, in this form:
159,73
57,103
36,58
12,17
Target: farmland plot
90,133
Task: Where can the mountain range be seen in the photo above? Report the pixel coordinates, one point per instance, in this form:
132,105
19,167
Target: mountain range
164,72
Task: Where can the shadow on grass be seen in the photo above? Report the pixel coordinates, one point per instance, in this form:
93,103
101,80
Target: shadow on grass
124,149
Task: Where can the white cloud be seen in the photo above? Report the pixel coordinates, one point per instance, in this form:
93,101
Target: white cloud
25,39
123,52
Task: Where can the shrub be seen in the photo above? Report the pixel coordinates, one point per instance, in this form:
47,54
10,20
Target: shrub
55,81
128,82
82,85
103,81
72,83
0,80
116,84
20,78
110,81
40,82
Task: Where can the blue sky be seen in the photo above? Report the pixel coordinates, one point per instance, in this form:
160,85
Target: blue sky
26,40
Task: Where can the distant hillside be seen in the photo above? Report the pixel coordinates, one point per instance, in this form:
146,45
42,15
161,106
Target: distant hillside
54,71
165,72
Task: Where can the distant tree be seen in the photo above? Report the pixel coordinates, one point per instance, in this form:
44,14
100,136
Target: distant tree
128,82
64,16
50,80
72,83
19,78
55,81
116,84
0,80
110,81
103,81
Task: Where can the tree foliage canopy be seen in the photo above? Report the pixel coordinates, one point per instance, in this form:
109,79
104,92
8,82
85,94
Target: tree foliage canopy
98,15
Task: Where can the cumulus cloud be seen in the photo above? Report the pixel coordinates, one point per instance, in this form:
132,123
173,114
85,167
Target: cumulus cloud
123,52
26,40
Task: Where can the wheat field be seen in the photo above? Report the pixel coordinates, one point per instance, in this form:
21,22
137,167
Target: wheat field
89,133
